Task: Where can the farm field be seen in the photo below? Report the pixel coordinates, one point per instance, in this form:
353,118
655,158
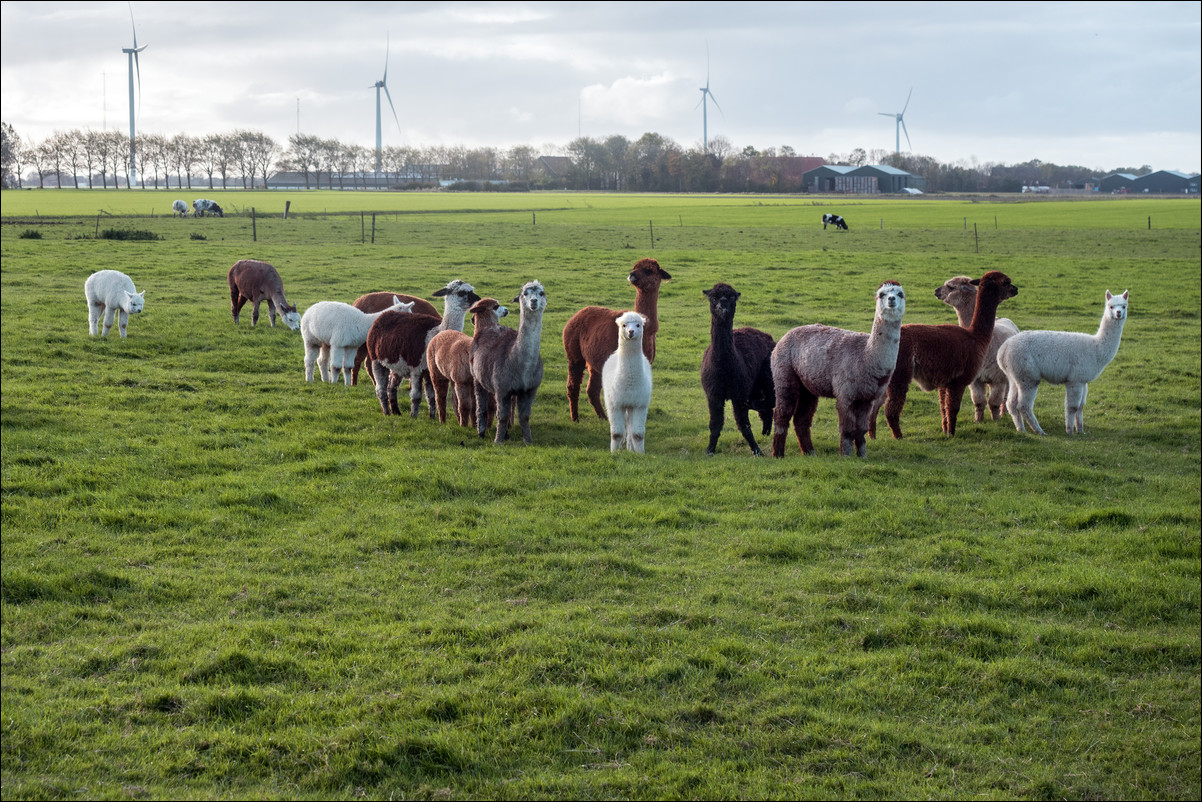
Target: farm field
219,581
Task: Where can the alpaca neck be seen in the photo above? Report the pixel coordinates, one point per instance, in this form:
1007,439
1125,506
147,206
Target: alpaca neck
530,332
964,316
722,343
646,302
1110,332
985,313
884,340
452,319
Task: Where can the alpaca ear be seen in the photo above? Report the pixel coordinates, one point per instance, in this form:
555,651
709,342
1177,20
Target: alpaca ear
440,293
663,274
1124,295
976,282
1108,295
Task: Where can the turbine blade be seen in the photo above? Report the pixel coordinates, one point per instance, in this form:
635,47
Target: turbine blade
711,94
886,114
138,69
907,133
386,44
131,24
394,117
903,111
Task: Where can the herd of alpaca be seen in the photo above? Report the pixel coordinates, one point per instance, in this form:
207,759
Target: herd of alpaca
496,372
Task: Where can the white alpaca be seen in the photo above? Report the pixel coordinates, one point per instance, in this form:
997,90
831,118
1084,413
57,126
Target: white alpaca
334,328
1060,357
110,293
626,381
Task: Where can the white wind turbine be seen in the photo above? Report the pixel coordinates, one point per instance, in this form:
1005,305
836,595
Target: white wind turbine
133,52
378,85
901,123
706,94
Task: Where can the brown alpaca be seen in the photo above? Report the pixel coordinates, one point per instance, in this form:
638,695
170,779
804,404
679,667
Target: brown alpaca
448,358
588,337
378,302
255,281
945,357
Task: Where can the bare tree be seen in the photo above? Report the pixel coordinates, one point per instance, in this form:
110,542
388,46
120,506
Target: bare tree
209,155
10,160
184,152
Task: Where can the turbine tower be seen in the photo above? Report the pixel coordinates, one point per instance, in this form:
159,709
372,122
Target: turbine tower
133,52
378,85
706,94
901,123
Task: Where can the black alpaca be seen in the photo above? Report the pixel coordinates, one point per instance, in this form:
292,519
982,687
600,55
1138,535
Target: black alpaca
737,366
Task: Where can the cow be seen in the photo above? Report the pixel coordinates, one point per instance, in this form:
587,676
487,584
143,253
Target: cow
179,209
202,206
834,220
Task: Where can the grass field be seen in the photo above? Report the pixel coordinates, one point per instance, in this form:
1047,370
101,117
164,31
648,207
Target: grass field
221,582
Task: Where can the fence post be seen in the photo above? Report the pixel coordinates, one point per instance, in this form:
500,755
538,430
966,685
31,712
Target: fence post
254,230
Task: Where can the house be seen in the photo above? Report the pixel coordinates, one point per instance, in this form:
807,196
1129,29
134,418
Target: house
869,179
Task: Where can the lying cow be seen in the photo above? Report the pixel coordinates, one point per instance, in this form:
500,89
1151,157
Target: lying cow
179,209
202,206
834,220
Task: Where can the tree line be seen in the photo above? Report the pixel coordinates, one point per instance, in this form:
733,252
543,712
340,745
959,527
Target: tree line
652,163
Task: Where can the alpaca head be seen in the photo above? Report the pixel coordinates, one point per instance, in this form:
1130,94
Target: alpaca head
998,283
723,298
134,301
890,301
630,326
459,295
487,309
1116,306
958,292
532,298
290,316
647,275
399,306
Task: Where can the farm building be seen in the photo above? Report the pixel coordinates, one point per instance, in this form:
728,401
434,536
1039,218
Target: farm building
1117,182
870,179
1167,182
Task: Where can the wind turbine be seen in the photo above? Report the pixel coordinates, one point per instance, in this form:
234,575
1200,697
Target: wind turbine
378,85
901,123
133,52
706,94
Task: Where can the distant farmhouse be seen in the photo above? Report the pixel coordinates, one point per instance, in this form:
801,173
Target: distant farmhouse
870,179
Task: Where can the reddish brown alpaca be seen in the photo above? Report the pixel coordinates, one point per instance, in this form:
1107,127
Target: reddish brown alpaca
378,302
944,357
588,338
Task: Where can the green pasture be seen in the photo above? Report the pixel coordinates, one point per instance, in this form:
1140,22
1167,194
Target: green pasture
219,581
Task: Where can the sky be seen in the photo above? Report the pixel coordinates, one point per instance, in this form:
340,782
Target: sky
1100,85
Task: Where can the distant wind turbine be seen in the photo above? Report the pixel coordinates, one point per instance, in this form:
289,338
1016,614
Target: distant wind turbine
133,52
378,85
706,94
901,123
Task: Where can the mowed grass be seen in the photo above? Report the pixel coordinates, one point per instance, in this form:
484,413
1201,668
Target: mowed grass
220,582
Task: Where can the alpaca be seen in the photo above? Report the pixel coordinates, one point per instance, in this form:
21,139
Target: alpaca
817,361
396,347
507,366
626,377
988,389
334,328
944,357
111,293
737,366
588,337
1060,357
254,281
378,302
448,358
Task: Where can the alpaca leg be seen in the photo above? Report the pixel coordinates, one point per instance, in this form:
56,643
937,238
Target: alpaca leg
803,420
997,398
636,429
575,377
237,301
594,392
109,314
360,355
323,362
717,407
428,385
441,388
950,398
310,361
980,400
348,361
254,315
122,322
787,390
1021,402
743,421
524,403
859,414
415,393
1074,405
271,311
483,402
504,418
94,313
895,402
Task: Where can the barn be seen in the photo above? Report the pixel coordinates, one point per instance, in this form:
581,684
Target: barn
870,179
1166,182
1117,182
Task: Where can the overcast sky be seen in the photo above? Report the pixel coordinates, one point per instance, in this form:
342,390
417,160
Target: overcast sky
1101,85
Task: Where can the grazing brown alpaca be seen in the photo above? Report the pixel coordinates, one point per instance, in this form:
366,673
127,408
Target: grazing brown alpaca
588,337
737,366
945,357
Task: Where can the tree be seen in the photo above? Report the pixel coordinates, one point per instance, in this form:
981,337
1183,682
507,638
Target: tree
10,155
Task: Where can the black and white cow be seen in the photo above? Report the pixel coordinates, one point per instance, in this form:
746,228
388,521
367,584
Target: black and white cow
834,220
201,206
179,209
